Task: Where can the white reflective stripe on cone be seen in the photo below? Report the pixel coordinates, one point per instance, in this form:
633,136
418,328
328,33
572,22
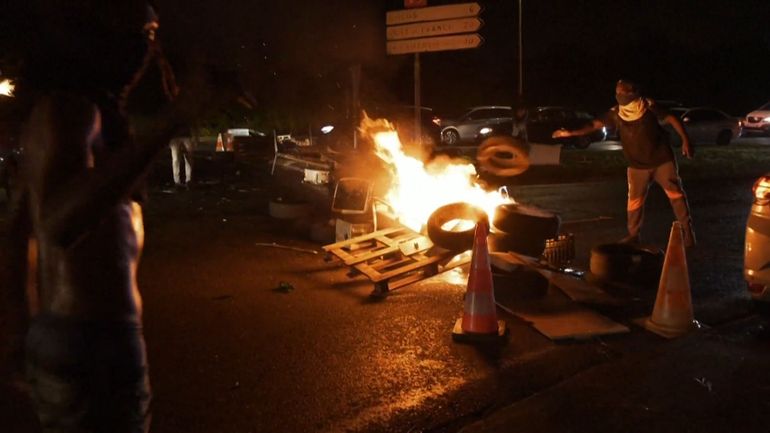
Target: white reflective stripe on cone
479,304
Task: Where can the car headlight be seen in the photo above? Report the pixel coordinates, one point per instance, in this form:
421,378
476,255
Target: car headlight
485,130
766,119
327,129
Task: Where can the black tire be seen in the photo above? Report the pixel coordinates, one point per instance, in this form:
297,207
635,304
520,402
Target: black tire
724,137
529,244
503,156
520,219
451,137
626,263
583,142
454,240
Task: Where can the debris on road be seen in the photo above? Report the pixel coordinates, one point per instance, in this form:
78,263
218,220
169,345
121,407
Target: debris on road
702,381
284,287
286,247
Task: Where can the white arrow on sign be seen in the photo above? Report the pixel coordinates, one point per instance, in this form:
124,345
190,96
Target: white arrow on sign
434,28
440,43
432,13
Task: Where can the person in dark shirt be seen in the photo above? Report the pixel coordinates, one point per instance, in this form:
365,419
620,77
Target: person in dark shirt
649,155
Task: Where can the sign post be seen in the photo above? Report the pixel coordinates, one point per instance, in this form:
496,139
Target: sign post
418,29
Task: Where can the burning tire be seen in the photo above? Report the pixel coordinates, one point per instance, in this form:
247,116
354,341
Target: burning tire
503,156
460,240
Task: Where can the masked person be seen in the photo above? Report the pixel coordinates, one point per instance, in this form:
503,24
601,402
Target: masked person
79,201
649,155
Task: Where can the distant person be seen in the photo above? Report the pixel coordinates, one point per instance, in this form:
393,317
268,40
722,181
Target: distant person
77,216
649,155
519,120
182,147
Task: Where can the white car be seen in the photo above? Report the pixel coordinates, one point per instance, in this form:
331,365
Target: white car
756,257
758,121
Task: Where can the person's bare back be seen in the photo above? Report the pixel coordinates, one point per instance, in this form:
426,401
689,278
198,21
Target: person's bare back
95,277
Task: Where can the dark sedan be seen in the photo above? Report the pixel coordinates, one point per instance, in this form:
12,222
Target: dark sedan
543,121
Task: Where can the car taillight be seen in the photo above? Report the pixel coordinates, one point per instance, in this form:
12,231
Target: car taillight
761,190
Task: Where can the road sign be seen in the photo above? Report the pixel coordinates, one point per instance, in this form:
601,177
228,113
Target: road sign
415,3
434,28
432,13
440,43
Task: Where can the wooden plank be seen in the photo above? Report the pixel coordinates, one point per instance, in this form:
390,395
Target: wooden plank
359,239
411,267
409,279
387,264
370,255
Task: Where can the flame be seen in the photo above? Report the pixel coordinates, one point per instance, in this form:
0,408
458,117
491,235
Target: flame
418,188
6,87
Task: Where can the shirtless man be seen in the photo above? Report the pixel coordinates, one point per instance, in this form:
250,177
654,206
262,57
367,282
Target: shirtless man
79,201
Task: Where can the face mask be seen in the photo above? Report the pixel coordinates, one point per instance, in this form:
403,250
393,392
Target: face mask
626,98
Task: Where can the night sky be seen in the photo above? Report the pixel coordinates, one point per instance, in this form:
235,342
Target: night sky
292,58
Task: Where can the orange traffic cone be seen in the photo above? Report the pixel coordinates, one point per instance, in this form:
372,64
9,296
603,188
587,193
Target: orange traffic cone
229,145
479,320
220,144
672,315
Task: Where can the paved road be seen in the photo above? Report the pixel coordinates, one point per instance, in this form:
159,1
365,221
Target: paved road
231,353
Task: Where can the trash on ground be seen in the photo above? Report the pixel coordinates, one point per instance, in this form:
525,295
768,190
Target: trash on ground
285,247
284,287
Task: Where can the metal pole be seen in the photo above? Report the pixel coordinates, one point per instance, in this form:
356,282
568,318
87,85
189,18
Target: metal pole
417,101
521,53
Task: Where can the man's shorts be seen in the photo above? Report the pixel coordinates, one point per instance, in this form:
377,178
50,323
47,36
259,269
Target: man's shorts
88,376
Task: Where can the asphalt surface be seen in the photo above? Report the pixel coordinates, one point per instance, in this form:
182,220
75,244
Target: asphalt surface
233,350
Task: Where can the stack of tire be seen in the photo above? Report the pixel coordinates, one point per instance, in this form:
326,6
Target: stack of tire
515,227
523,229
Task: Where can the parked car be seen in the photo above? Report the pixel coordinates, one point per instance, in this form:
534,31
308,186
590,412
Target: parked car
338,134
467,128
756,257
541,123
705,126
758,121
402,117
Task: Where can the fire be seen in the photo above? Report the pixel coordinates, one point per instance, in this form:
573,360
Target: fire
417,188
6,87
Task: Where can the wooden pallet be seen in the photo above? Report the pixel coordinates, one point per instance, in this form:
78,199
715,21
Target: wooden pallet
394,257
